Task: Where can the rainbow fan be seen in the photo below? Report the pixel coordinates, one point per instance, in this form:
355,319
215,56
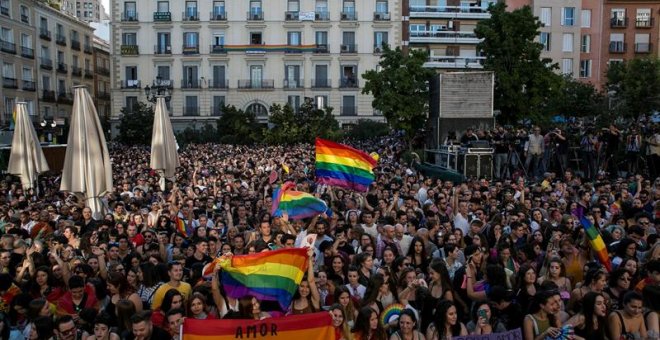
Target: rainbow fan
567,333
391,313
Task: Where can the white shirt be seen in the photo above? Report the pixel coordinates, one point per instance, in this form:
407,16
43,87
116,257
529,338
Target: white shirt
358,291
371,230
462,223
404,243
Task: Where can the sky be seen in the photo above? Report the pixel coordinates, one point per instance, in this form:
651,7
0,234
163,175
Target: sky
106,4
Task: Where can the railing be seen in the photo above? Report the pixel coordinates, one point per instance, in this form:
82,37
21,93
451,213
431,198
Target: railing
617,47
449,36
130,50
46,63
458,12
348,111
349,82
62,68
44,34
129,16
642,48
322,83
256,84
217,49
218,84
130,84
9,83
619,22
65,97
381,16
76,71
292,83
89,74
321,48
162,49
162,16
87,48
29,85
458,62
218,16
322,16
255,16
60,39
291,15
190,16
102,70
168,83
348,16
648,23
348,48
191,83
103,95
75,45
216,110
4,11
48,96
7,46
25,18
190,49
190,110
27,52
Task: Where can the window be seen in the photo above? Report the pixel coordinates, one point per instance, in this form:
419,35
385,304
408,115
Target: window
45,52
60,29
585,68
321,102
163,6
349,6
75,61
321,6
190,76
131,103
60,57
163,72
26,40
8,70
191,106
567,66
380,39
218,104
25,14
219,39
416,29
257,109
567,45
4,7
255,9
130,11
43,24
642,43
348,39
381,6
129,39
544,39
191,39
218,9
191,10
218,76
27,74
618,17
292,76
255,38
293,6
348,106
546,16
163,44
349,76
643,18
321,38
321,76
7,35
256,76
568,16
294,102
293,38
617,42
45,82
586,18
585,45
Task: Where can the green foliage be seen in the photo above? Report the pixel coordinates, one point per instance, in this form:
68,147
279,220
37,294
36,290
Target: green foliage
576,99
290,127
635,85
136,127
400,88
523,81
236,126
368,129
206,134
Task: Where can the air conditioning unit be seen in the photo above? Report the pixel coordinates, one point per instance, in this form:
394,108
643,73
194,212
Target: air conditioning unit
378,16
291,16
344,16
345,48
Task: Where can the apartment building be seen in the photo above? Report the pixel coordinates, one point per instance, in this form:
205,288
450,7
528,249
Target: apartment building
591,24
102,80
446,29
560,32
249,54
89,10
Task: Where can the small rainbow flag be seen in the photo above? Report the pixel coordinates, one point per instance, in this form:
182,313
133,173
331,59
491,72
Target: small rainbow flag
597,243
313,326
271,275
343,166
182,227
297,204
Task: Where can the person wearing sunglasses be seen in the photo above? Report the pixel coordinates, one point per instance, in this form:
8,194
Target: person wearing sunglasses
66,329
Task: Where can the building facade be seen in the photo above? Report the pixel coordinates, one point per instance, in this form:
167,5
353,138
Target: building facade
249,54
591,23
560,32
102,81
89,10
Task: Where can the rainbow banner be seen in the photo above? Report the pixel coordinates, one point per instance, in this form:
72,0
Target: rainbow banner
271,275
343,166
297,204
314,326
182,227
597,243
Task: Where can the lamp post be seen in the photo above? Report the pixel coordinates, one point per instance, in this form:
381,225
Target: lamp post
159,88
47,128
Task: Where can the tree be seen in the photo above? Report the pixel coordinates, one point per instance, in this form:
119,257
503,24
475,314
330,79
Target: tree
576,98
400,88
523,80
367,129
303,125
635,86
236,126
136,126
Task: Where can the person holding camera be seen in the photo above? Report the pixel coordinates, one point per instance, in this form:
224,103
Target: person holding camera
499,140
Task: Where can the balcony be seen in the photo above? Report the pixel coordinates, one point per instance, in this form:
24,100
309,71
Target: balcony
65,97
129,16
348,111
455,62
322,16
348,48
321,83
189,111
191,83
163,49
75,45
218,16
87,48
7,46
162,16
130,50
217,49
619,22
293,49
103,95
642,48
9,83
102,71
444,37
451,12
255,16
292,16
29,85
617,47
62,68
216,110
76,71
60,39
88,74
292,84
190,49
646,23
348,16
190,15
218,84
382,16
349,83
256,84
4,11
46,64
48,96
44,34
321,48
167,83
130,84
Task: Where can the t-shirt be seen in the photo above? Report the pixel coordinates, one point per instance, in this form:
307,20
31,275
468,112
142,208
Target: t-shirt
184,288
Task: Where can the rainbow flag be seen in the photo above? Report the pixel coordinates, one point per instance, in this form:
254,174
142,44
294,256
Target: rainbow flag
182,227
313,326
271,275
297,204
597,243
343,166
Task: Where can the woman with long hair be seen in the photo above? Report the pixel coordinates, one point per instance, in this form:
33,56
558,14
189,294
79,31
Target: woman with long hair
119,288
196,307
594,281
418,256
172,300
342,330
125,309
590,322
365,264
526,286
482,321
367,326
628,323
557,274
380,293
617,286
149,282
407,327
445,324
41,328
249,308
42,285
542,321
343,297
307,298
339,268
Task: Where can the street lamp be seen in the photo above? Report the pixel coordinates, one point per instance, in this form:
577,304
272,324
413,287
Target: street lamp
159,88
46,127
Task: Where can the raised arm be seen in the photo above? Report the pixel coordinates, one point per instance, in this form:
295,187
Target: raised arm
316,297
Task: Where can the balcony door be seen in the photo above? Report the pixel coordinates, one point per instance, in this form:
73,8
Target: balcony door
164,43
191,76
218,76
256,76
321,75
292,73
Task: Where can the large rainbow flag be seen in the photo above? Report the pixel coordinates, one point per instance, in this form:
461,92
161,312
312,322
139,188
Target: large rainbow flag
343,166
271,275
297,204
597,243
314,326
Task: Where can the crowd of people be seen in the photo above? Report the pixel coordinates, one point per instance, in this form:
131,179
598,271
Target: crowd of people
478,257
